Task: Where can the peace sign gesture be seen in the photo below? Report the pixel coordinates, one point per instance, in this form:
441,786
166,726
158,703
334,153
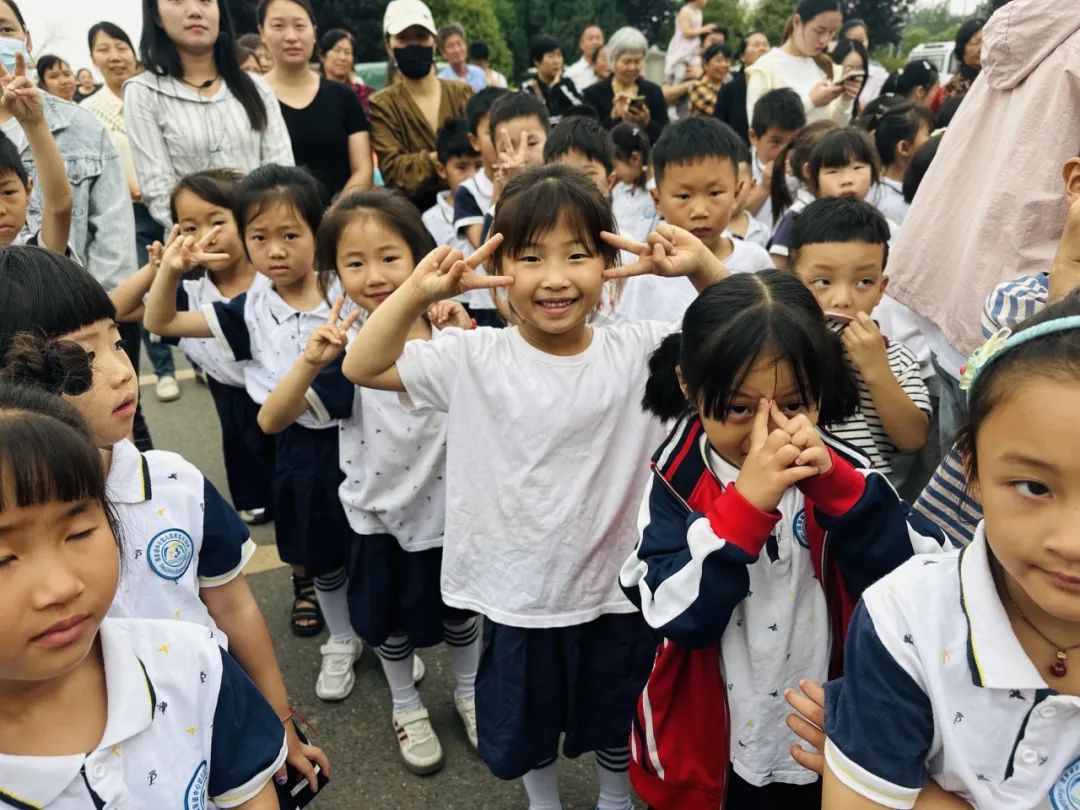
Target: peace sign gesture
329,339
771,467
20,97
670,252
510,161
182,253
444,273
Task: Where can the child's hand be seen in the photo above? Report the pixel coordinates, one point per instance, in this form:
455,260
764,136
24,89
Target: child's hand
329,339
182,253
866,347
804,435
20,97
669,251
449,313
301,755
771,467
154,254
443,273
808,723
510,161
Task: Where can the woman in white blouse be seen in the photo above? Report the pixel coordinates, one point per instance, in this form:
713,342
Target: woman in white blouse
803,64
194,108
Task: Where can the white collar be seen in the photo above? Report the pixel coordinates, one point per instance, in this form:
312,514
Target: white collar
445,206
282,311
35,781
895,185
129,475
483,183
994,654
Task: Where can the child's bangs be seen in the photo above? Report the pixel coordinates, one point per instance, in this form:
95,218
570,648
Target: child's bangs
43,292
525,217
44,461
844,147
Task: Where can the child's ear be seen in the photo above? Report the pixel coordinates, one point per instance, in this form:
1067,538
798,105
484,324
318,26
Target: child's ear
753,137
440,169
903,149
474,141
740,187
682,385
611,181
655,192
1071,174
884,283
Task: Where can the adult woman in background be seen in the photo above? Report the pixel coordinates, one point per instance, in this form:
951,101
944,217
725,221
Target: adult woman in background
406,116
731,108
85,86
326,123
114,56
337,55
802,64
55,76
626,95
194,108
876,74
968,52
852,58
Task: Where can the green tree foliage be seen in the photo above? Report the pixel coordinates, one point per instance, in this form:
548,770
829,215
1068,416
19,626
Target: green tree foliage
731,15
884,18
770,16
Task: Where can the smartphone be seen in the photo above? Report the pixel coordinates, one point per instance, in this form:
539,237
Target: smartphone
296,793
638,101
855,74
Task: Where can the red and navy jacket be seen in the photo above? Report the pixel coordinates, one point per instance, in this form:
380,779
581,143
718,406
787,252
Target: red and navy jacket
689,572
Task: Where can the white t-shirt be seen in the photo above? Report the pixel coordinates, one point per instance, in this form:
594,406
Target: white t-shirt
888,197
634,211
756,233
439,221
394,462
777,635
14,132
652,298
192,295
546,459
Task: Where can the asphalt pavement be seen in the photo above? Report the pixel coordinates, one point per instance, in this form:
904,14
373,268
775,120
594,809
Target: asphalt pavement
356,733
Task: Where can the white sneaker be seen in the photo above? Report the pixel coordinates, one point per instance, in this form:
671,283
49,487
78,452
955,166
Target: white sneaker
418,669
466,709
421,750
167,389
254,517
336,677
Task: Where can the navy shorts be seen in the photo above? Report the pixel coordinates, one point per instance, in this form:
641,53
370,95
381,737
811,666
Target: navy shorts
309,521
535,684
396,592
249,453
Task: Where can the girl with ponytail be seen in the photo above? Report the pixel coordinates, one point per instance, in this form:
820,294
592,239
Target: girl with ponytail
731,568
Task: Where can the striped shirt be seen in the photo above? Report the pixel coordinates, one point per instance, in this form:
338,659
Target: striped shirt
173,131
1013,302
864,429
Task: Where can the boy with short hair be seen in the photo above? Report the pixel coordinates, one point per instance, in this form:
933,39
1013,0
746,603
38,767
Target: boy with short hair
838,250
695,165
458,160
23,101
581,143
778,116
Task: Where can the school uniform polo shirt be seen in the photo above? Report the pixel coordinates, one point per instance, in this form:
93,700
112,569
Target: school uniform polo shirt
177,536
260,326
936,685
191,296
186,729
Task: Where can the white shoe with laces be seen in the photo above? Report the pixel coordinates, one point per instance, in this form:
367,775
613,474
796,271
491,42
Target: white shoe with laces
420,748
466,709
167,388
336,677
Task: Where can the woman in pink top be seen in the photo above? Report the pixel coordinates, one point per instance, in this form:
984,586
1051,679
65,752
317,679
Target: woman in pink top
990,207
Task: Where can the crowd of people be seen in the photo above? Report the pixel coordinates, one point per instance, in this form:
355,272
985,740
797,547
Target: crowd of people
718,426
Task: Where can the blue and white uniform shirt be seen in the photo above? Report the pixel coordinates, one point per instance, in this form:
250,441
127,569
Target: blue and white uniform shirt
260,326
191,296
394,462
186,729
179,536
937,686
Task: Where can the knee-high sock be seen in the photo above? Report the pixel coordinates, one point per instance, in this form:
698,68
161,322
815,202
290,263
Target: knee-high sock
334,603
613,775
463,646
542,786
396,656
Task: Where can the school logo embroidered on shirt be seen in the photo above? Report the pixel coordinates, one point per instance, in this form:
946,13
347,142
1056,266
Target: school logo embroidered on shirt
170,553
1065,795
799,525
195,797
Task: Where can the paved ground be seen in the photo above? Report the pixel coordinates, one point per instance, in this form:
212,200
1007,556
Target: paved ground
356,733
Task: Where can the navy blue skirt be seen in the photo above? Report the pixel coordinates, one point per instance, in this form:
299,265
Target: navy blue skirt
309,521
535,684
249,453
396,592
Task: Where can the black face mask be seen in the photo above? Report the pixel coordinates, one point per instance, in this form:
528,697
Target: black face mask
414,61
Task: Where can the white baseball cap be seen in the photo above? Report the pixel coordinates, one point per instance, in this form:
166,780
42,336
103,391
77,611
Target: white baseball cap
402,14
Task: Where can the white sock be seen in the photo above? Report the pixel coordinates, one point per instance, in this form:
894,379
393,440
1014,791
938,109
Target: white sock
542,787
463,646
396,656
333,599
613,775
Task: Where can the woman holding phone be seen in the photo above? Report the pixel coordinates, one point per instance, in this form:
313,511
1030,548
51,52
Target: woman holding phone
803,64
627,95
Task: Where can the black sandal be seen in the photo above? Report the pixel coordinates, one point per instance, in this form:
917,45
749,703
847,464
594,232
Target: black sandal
306,619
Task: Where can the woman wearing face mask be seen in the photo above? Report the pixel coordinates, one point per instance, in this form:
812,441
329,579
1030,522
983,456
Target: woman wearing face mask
803,64
194,108
326,123
406,116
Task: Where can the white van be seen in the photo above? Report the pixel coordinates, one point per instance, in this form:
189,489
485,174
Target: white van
939,54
